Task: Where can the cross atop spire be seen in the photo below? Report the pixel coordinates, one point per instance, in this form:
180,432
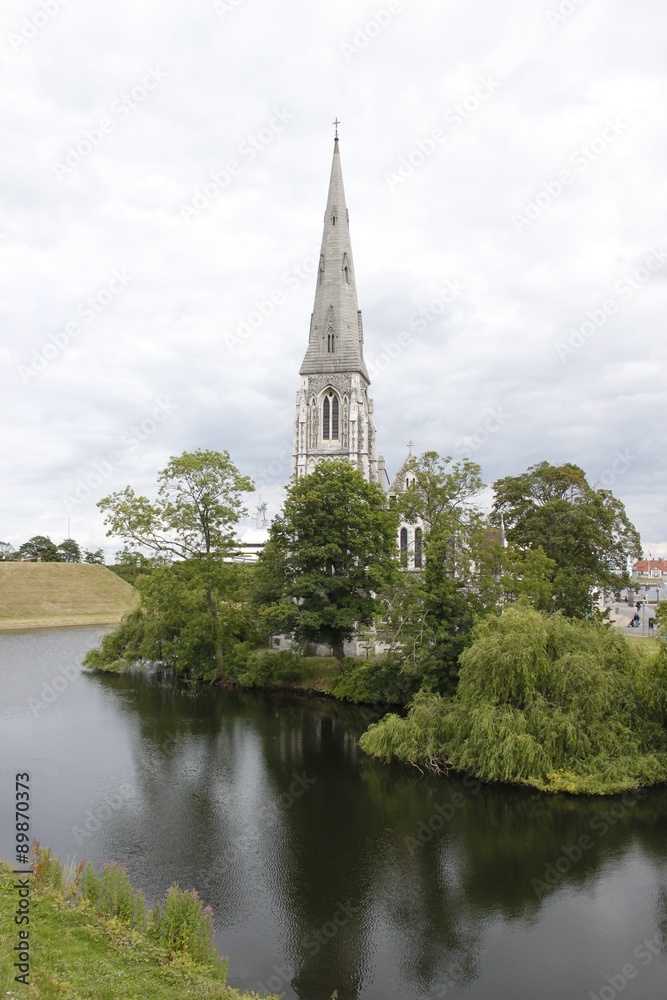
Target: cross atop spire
336,123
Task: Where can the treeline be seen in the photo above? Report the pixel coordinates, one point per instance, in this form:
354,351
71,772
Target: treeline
40,548
496,643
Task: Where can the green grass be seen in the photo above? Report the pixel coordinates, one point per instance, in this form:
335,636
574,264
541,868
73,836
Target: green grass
48,595
77,955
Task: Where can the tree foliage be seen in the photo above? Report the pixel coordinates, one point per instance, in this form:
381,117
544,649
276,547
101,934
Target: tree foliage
193,518
586,532
174,628
542,700
69,551
331,551
39,547
425,618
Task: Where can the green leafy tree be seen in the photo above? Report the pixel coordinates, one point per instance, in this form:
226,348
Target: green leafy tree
39,547
427,617
586,532
542,700
331,551
442,496
193,517
173,625
93,557
69,551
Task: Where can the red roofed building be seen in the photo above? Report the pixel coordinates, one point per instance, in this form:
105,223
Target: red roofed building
656,569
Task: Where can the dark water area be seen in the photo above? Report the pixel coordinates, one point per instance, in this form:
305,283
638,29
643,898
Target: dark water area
326,870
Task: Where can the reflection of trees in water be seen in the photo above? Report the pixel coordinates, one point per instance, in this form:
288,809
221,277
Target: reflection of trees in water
368,857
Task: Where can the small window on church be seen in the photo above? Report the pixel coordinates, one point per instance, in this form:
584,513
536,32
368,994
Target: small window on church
334,418
331,341
326,418
333,220
418,548
404,546
330,417
346,274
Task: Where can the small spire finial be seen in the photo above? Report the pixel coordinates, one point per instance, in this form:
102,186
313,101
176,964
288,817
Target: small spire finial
410,447
336,123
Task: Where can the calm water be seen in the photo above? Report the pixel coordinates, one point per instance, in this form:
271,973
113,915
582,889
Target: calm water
325,870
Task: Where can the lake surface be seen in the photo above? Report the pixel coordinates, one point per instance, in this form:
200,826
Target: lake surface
326,870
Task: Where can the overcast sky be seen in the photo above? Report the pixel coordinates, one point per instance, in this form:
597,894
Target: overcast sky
164,175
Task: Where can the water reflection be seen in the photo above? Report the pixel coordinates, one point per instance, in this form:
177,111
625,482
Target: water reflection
328,871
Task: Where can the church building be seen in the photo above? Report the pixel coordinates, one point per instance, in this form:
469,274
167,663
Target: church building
334,412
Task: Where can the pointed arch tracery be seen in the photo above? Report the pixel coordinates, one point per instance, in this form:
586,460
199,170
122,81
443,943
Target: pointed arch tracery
330,415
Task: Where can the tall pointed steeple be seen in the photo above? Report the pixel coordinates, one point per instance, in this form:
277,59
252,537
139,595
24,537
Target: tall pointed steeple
336,336
334,411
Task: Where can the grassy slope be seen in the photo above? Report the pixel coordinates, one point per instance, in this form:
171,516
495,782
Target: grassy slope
39,595
79,956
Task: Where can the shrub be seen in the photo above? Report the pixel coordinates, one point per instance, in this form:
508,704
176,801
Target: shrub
183,924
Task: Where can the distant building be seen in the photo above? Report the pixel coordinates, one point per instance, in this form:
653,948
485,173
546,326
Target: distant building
6,549
653,569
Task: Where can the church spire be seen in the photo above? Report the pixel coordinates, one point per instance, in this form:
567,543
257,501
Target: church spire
336,335
334,413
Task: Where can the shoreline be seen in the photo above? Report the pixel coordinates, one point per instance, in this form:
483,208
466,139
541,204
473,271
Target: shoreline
76,621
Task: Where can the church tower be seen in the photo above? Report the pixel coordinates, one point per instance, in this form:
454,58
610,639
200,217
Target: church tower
334,414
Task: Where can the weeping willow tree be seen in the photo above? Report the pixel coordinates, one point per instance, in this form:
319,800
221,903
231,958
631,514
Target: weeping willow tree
542,700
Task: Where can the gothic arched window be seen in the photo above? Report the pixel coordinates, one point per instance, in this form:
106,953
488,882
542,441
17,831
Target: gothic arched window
418,548
404,546
330,416
326,418
334,418
331,341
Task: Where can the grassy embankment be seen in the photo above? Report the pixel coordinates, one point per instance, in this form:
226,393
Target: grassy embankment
79,954
49,595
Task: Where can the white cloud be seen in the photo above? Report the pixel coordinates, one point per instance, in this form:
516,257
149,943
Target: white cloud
224,74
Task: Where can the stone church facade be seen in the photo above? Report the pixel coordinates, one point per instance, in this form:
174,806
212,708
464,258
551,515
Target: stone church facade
334,411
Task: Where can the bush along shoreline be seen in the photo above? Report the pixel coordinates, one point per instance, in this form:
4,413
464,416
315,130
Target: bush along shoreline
557,704
541,700
91,936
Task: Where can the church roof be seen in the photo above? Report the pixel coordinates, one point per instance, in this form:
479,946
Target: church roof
336,336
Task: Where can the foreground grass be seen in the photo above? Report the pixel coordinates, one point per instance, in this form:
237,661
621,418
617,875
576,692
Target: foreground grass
79,955
48,595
